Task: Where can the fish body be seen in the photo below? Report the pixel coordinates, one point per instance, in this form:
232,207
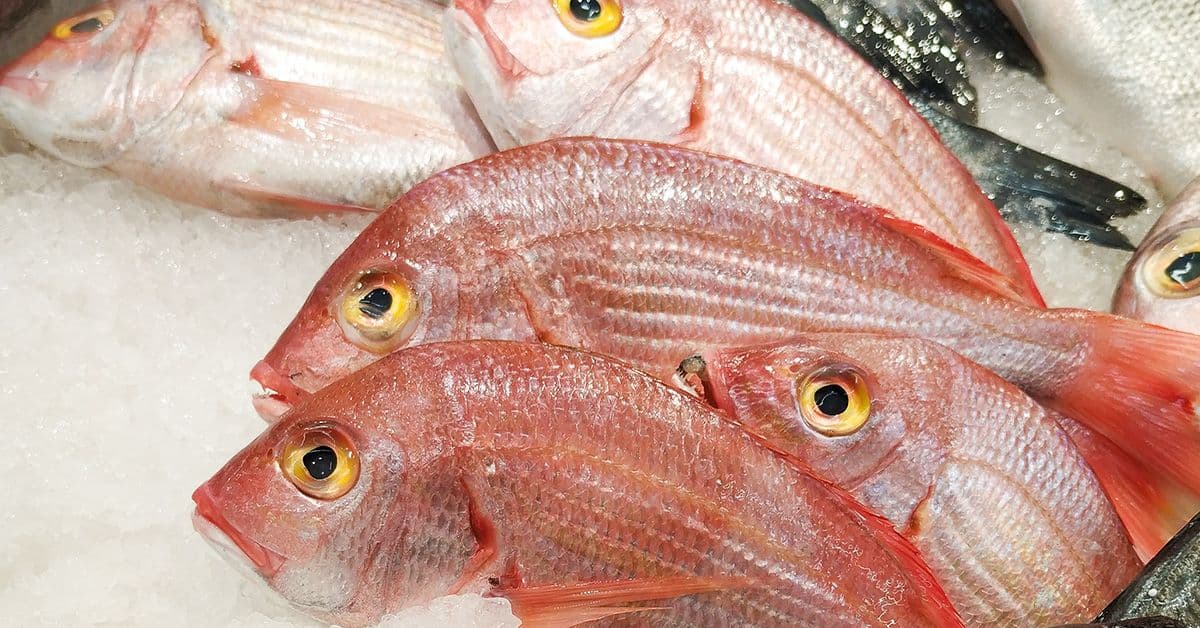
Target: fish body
250,106
1126,68
1162,279
752,79
650,253
977,475
515,468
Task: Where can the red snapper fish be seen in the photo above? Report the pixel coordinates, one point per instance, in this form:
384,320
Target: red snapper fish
651,253
254,107
566,482
1013,522
752,79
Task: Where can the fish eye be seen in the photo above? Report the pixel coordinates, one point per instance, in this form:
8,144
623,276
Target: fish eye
84,25
377,311
589,18
320,461
834,401
1173,270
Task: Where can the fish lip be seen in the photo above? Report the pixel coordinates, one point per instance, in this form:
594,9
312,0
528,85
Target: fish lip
208,521
469,15
29,88
279,392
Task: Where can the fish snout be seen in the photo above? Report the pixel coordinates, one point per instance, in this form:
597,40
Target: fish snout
279,393
212,524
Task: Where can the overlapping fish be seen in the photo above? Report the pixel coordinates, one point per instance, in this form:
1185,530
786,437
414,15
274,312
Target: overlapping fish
250,106
1162,280
1014,524
568,483
752,79
651,253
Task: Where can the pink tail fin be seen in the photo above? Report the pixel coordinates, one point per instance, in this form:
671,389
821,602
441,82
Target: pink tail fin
1138,387
1152,507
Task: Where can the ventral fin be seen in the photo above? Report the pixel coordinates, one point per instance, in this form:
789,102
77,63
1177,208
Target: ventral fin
564,605
289,203
306,113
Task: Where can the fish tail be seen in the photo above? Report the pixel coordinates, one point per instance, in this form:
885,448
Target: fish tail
1152,507
1138,387
1032,187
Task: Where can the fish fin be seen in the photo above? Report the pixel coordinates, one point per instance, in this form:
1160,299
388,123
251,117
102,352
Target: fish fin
562,605
299,113
288,202
1028,186
1152,508
994,30
1138,387
486,545
962,262
912,56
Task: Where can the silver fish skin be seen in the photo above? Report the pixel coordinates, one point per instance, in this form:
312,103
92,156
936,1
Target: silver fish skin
1128,68
253,107
1161,284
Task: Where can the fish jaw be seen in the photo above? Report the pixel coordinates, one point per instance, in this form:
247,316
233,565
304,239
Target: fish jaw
215,528
278,393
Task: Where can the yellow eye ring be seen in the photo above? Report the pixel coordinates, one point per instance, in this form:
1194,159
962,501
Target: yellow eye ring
1173,271
84,25
377,311
834,401
589,18
320,461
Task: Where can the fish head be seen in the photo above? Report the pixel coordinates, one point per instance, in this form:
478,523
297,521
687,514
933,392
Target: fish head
103,77
373,300
857,408
332,506
1161,284
541,69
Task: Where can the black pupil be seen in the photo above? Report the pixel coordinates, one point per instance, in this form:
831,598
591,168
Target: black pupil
375,303
1185,269
831,399
90,25
585,10
320,462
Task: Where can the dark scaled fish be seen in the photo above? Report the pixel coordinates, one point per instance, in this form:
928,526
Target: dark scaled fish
1168,587
908,44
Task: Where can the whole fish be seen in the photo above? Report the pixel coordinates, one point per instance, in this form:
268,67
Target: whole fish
650,253
1162,280
566,482
250,106
751,79
1126,67
976,474
1168,586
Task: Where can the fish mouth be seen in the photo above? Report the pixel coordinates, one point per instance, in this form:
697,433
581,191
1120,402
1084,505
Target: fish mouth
213,526
28,88
468,17
715,393
277,395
